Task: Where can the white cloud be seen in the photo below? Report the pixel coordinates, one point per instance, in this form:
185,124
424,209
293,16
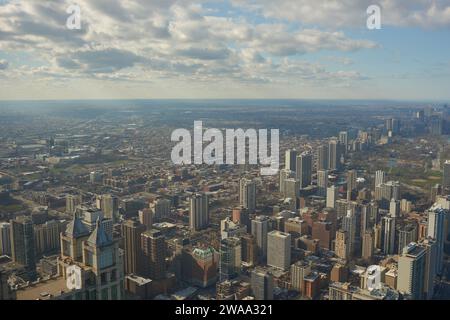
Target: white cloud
352,13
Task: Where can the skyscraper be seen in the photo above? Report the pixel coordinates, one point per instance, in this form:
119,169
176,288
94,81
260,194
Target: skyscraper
72,201
260,229
199,212
406,234
284,175
349,224
22,244
290,159
94,258
341,246
292,188
262,284
388,227
446,174
131,233
322,157
368,245
332,195
322,182
379,177
304,169
333,155
299,271
437,221
110,207
411,271
247,194
343,140
230,258
279,249
5,238
154,254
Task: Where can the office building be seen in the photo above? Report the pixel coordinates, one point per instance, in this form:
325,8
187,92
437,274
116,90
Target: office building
322,158
290,159
230,258
446,174
279,249
260,229
322,182
153,246
5,239
332,196
23,249
388,230
262,284
299,271
411,271
247,195
304,169
131,234
199,212
437,225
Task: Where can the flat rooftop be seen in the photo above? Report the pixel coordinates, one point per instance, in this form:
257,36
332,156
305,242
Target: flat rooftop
43,290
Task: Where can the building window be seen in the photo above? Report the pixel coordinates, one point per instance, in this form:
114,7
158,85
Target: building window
105,294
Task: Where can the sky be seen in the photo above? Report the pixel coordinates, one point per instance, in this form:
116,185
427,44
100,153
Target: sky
219,49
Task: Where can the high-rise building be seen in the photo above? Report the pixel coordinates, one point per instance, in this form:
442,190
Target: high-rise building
22,244
322,182
260,229
352,175
47,237
230,258
5,239
285,174
343,140
394,208
437,222
367,245
406,234
332,196
349,224
199,212
110,207
430,267
380,177
446,174
146,217
279,249
262,284
292,188
249,250
160,208
153,246
322,157
334,155
290,159
304,169
388,228
72,201
91,262
341,245
131,234
247,194
411,271
299,271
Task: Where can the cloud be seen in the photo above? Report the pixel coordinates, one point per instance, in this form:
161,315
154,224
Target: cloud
164,39
4,64
352,13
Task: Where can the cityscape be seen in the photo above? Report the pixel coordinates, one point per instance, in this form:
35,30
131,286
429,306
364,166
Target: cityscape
224,151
